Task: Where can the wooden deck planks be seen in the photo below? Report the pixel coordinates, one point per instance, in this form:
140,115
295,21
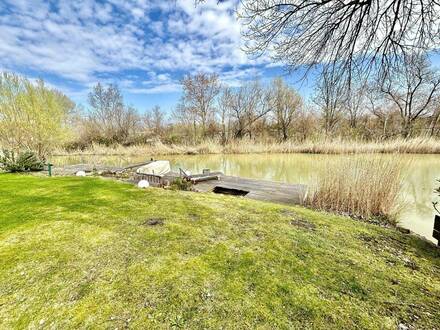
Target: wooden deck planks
263,190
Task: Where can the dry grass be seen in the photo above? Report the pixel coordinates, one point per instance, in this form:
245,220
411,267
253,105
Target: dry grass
415,146
364,187
157,148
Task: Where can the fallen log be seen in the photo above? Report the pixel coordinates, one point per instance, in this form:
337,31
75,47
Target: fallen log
204,178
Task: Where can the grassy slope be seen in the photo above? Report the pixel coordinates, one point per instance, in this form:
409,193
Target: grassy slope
76,252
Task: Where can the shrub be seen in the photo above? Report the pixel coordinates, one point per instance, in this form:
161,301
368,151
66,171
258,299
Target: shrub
181,184
24,161
32,115
363,187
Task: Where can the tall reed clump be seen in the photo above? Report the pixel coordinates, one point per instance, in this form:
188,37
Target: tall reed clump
365,187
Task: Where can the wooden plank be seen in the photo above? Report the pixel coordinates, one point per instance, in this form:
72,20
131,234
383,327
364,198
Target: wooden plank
258,189
263,190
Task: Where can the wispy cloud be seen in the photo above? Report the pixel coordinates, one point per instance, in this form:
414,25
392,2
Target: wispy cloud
86,41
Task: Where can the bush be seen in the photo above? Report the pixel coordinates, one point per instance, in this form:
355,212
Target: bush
33,116
181,184
23,162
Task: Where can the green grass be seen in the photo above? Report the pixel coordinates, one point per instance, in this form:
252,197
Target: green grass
79,253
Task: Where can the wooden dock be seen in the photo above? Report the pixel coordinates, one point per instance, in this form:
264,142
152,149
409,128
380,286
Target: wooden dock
263,190
277,192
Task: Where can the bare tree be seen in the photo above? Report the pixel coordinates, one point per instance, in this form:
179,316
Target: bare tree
224,105
434,119
376,104
331,99
305,125
155,121
187,116
411,88
356,102
108,116
248,104
286,103
342,36
199,93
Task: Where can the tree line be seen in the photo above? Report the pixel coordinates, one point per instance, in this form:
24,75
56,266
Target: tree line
403,103
375,83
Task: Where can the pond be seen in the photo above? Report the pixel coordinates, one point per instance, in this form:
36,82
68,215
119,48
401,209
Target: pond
417,193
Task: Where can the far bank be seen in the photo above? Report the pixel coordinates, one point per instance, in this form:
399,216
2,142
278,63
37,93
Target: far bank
404,146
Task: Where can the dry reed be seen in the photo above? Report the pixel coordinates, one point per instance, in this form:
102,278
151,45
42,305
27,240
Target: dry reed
365,187
414,146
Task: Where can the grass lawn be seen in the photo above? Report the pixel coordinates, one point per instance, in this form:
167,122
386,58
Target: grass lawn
94,253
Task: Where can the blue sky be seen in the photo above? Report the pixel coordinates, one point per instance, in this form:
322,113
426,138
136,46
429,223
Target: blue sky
143,46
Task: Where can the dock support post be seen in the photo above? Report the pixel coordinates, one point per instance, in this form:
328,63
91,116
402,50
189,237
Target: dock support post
436,231
49,169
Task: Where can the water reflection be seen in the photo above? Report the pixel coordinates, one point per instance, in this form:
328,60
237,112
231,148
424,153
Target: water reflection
419,183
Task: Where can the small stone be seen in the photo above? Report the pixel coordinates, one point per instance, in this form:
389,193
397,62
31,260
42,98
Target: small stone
80,173
402,326
42,322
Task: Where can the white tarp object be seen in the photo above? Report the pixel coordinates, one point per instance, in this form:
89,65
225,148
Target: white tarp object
159,167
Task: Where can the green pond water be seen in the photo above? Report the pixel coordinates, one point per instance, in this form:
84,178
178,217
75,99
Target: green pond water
417,196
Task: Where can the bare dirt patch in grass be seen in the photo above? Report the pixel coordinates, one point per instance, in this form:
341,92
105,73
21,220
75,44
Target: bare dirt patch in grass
303,224
297,220
154,222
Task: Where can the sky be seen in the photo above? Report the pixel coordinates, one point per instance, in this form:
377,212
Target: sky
145,47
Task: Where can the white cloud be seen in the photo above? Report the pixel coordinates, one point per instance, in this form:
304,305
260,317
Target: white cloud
163,76
88,40
154,83
157,89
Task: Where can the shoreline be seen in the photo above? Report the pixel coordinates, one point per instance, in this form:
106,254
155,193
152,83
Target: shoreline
382,223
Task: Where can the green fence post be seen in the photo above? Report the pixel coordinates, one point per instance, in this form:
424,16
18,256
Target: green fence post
49,169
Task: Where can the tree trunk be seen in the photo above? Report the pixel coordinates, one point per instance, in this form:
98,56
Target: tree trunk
353,122
195,131
434,120
285,134
223,134
406,129
385,122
